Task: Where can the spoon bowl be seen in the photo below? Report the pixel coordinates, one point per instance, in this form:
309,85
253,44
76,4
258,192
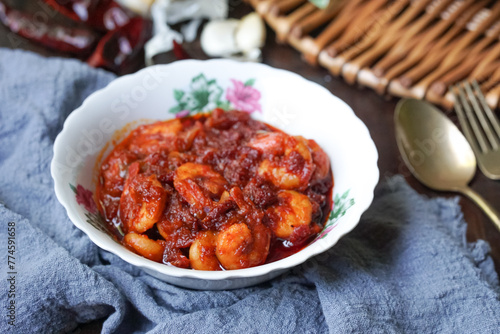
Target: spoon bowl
432,146
436,152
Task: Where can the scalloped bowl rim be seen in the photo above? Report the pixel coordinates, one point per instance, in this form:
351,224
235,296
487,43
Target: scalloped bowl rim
141,262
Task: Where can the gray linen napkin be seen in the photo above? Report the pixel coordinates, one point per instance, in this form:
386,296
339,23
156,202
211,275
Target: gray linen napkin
406,268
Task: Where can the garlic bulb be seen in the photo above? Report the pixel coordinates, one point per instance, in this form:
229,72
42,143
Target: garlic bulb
227,38
217,38
251,33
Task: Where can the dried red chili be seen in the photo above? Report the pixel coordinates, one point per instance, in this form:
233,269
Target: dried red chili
53,36
99,14
122,35
117,48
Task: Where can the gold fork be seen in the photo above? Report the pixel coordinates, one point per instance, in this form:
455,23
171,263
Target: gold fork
480,126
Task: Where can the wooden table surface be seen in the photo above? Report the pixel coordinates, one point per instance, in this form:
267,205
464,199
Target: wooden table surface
374,110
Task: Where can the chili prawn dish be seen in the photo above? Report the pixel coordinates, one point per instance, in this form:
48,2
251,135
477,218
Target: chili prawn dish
216,191
215,174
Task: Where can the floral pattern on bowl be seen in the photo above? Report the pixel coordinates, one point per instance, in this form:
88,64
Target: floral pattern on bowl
339,208
205,95
85,198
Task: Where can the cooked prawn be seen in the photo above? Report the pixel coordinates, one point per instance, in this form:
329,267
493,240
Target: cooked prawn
163,128
244,242
241,245
114,171
142,201
321,161
202,252
193,182
204,175
141,244
289,163
269,142
292,212
151,138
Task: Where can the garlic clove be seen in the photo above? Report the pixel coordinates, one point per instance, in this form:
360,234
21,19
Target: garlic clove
218,38
251,33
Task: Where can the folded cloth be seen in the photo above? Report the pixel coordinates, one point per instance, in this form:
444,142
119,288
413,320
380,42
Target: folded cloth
406,268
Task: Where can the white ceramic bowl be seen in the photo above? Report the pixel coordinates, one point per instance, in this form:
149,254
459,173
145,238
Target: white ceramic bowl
280,98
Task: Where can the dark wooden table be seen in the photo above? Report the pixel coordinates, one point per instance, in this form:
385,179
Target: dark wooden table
374,110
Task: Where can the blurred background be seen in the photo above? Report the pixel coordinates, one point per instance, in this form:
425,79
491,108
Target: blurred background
113,34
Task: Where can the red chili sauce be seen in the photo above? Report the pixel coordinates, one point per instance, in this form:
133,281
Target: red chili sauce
215,191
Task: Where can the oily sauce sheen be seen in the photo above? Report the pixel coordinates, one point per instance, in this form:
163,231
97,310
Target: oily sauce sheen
216,191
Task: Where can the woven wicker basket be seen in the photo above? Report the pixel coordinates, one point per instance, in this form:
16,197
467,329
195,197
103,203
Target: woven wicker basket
405,48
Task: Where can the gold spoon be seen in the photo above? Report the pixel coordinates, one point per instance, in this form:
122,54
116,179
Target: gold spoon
436,152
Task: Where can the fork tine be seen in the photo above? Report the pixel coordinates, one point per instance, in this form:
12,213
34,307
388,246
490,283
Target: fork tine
480,116
468,115
463,119
491,116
